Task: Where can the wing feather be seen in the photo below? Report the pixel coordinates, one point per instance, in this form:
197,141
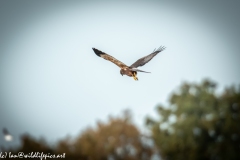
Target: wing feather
142,61
138,70
109,58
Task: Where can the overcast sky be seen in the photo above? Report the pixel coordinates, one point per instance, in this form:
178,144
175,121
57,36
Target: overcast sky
52,84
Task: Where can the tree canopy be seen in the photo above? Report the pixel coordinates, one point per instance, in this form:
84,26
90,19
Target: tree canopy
199,123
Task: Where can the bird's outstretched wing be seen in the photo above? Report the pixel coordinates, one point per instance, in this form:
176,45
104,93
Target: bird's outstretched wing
142,61
109,58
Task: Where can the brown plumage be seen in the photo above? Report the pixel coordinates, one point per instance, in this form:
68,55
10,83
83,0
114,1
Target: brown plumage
132,70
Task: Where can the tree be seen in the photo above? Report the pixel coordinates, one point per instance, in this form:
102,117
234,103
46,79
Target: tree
199,124
116,139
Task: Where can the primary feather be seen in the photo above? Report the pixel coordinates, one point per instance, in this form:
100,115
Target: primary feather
142,61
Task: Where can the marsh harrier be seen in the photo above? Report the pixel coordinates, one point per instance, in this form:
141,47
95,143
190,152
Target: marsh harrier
132,70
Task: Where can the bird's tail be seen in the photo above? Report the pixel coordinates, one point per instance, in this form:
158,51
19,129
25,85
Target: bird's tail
138,70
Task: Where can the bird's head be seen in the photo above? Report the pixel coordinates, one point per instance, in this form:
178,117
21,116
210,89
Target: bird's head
121,72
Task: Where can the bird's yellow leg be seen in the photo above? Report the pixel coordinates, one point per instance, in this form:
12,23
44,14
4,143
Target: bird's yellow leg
135,77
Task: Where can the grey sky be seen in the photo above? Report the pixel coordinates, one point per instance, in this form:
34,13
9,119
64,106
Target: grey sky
52,84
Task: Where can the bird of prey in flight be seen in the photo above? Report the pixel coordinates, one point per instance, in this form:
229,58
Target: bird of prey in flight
132,70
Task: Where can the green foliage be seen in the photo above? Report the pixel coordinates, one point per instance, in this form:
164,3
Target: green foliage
199,124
